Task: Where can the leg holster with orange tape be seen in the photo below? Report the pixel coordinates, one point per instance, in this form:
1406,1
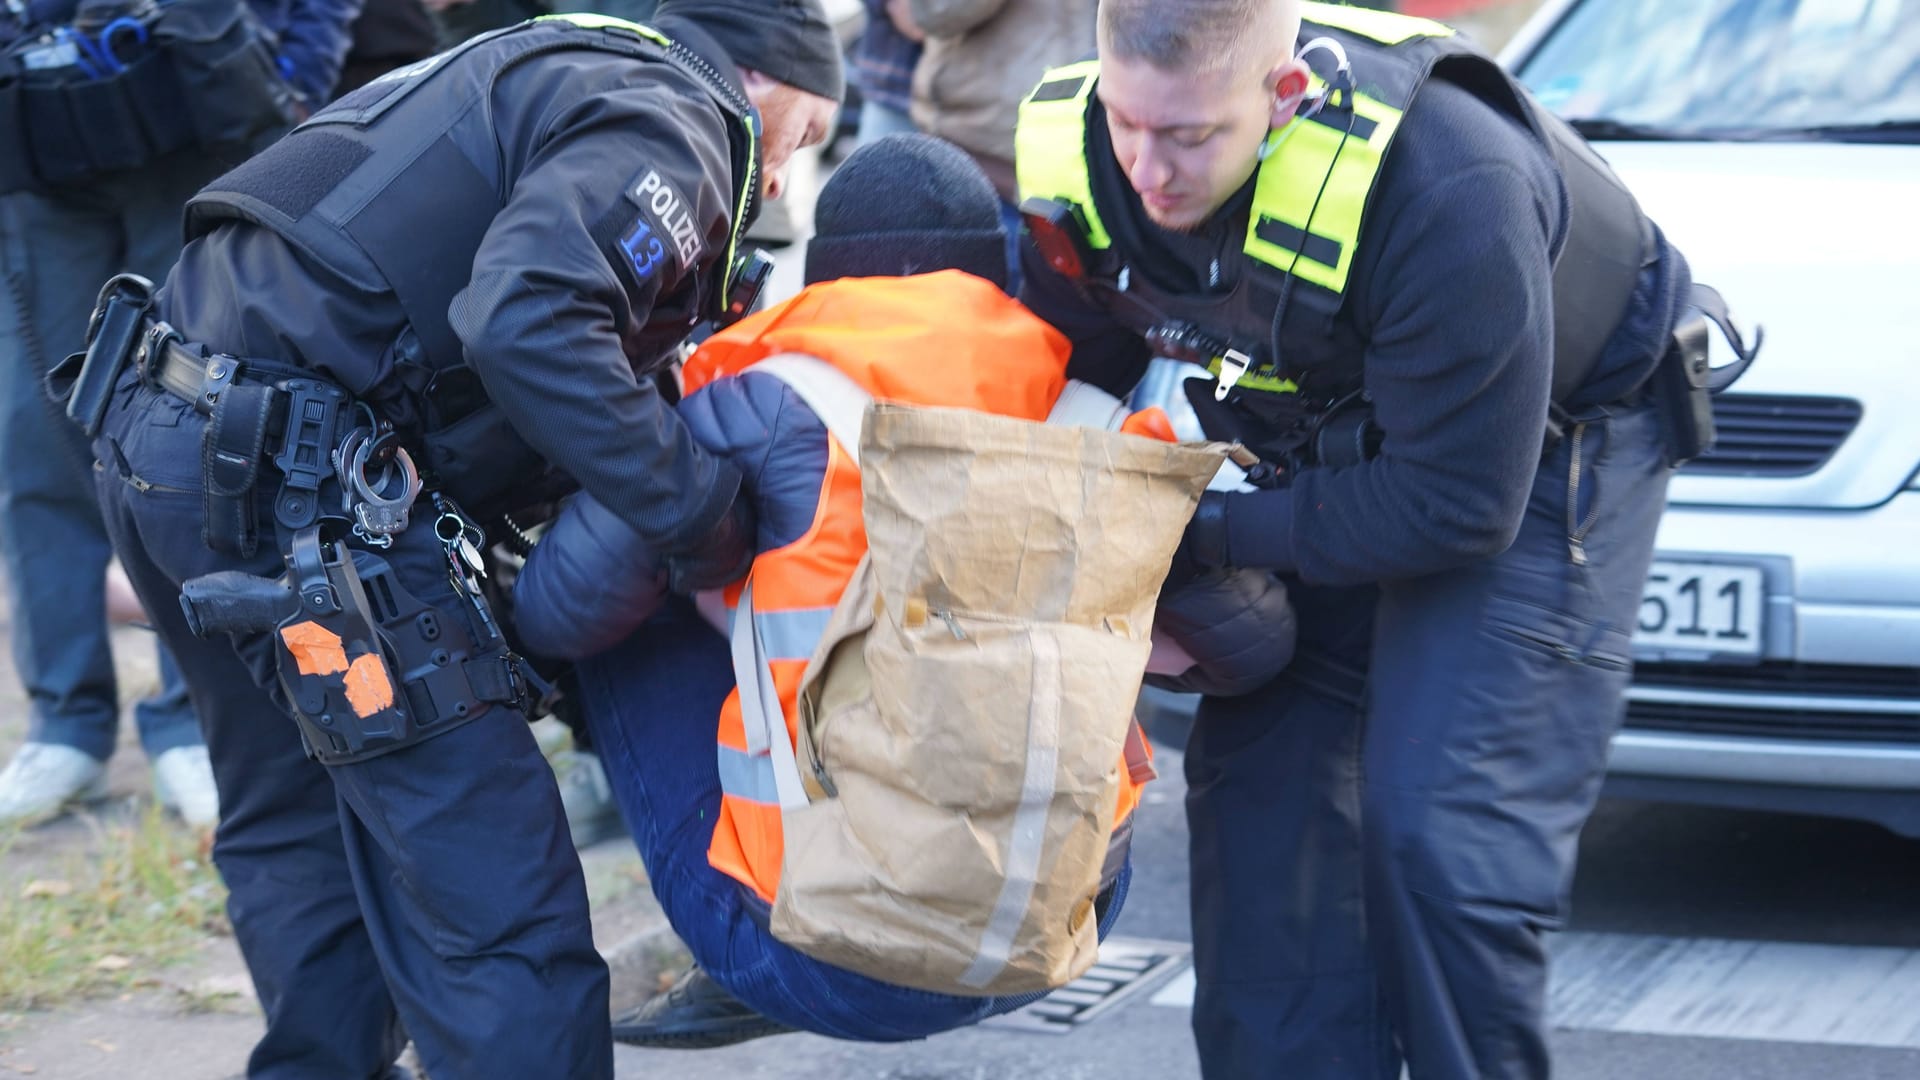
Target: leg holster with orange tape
368,664
367,667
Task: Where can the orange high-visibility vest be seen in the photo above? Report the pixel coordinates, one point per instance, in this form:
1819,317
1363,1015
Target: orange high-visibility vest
946,339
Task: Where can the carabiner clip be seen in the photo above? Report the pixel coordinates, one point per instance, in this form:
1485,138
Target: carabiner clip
1233,365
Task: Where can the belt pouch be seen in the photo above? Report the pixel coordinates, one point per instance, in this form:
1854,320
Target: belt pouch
53,135
154,90
228,77
107,124
16,152
84,381
484,464
1681,393
230,454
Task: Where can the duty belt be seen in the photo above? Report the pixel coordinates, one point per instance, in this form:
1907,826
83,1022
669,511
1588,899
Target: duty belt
311,429
200,379
402,669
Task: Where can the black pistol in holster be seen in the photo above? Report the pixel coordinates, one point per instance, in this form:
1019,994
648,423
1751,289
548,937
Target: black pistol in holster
366,667
1684,382
84,381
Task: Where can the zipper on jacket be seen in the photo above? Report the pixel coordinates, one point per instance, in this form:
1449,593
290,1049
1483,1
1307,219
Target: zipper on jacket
718,85
1563,650
1577,529
143,486
810,720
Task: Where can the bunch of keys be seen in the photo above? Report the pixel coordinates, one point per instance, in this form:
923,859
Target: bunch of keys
465,568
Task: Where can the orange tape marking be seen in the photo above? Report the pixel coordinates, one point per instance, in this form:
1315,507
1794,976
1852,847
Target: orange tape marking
368,688
315,648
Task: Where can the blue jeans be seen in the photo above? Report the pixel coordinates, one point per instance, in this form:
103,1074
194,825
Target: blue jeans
653,703
1372,875
54,255
878,121
430,892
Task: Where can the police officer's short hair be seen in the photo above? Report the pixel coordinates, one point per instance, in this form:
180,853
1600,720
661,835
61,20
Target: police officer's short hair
1200,36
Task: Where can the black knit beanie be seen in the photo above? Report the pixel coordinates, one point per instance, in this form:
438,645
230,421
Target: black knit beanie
907,204
787,40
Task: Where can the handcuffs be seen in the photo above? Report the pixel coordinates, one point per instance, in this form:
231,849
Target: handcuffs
378,481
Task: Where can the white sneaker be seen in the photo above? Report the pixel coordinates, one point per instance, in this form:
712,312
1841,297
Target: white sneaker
43,779
183,782
552,735
586,797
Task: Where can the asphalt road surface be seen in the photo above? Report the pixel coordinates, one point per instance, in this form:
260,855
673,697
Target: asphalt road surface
1705,944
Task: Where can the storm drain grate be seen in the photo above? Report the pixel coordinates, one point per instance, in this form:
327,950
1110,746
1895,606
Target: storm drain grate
1126,968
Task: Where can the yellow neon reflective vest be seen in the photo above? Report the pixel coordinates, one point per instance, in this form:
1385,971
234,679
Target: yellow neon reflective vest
1312,192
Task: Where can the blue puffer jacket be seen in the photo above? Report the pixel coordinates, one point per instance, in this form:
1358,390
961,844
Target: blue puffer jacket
314,38
591,580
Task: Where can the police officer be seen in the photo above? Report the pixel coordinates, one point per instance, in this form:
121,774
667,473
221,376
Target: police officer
438,300
1444,326
102,142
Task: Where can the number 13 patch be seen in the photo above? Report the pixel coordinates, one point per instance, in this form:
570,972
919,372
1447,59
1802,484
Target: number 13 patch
664,230
644,248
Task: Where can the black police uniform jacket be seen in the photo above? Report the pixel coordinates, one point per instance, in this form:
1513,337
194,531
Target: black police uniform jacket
534,220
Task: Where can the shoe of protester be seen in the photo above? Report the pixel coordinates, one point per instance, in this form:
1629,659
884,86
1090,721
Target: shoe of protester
183,783
44,779
586,797
693,1014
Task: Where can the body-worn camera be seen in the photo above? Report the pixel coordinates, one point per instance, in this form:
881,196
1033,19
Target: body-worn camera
748,281
1060,235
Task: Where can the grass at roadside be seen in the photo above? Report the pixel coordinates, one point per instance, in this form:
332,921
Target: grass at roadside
145,897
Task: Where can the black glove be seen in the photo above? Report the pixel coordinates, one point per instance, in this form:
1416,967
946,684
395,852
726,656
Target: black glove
1204,546
721,557
1236,624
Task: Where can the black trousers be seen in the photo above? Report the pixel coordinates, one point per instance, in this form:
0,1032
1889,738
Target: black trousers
1371,879
432,890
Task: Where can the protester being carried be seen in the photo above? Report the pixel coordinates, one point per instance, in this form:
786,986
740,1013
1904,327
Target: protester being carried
907,204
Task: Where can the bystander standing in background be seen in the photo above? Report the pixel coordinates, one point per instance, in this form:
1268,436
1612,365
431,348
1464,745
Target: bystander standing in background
388,34
881,66
981,59
59,239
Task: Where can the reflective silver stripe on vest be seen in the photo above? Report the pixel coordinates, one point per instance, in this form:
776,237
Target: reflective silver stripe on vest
792,634
748,776
788,635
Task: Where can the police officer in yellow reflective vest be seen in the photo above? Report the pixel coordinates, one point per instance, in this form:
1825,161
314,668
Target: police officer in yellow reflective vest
1442,324
442,298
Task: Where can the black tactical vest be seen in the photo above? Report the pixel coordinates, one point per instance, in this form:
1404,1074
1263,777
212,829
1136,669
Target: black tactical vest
1311,198
394,186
